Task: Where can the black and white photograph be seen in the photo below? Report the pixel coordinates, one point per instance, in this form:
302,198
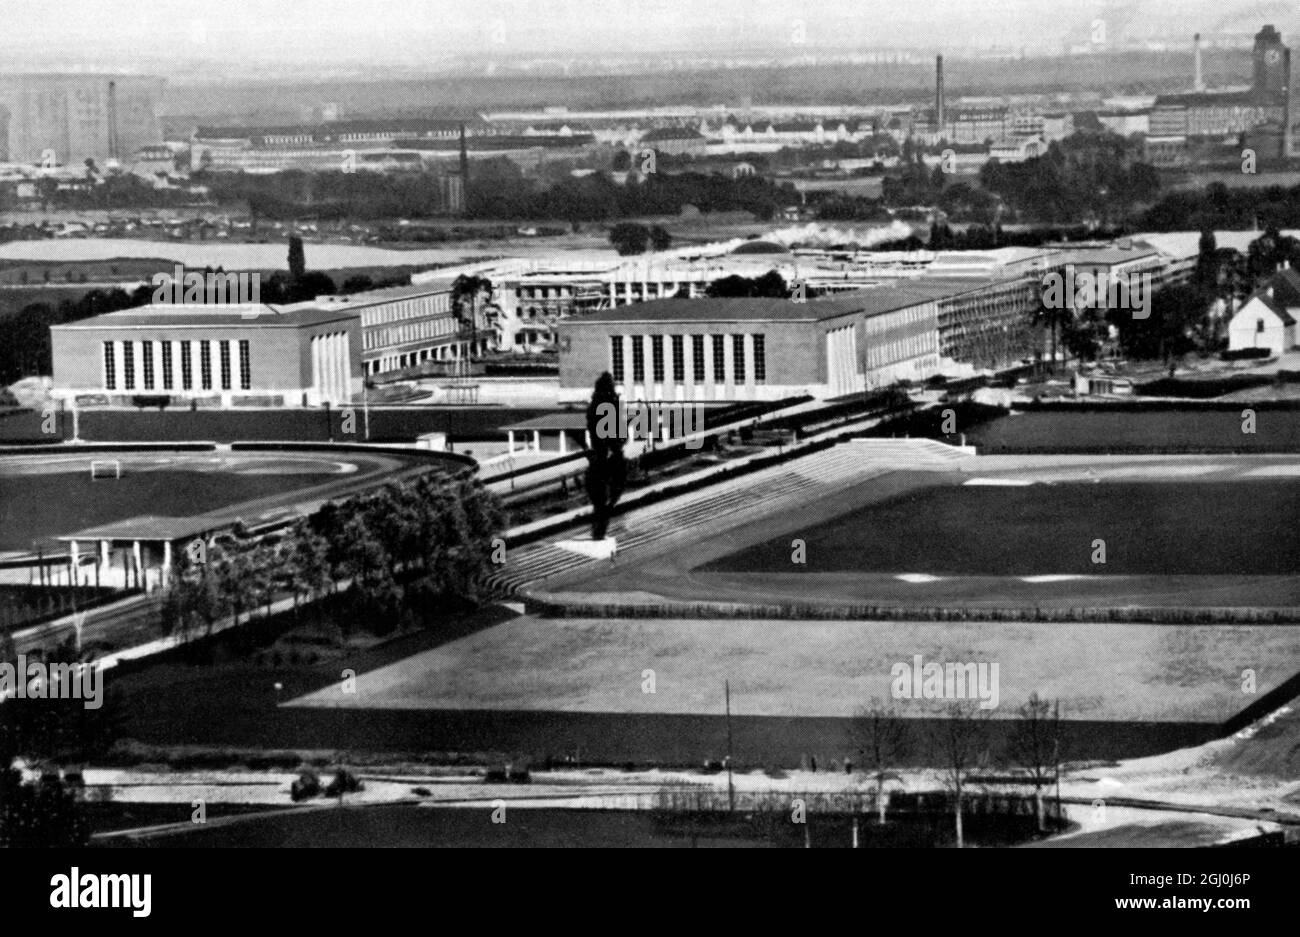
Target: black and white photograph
640,423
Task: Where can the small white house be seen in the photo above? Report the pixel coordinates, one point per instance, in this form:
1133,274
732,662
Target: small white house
1268,318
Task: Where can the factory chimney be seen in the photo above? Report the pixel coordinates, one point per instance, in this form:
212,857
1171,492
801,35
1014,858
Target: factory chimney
112,121
464,168
1199,83
938,94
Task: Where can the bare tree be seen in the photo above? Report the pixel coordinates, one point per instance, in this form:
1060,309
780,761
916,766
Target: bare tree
960,739
882,739
1035,747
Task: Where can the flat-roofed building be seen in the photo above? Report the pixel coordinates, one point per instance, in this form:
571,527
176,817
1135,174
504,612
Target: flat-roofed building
214,355
405,326
752,349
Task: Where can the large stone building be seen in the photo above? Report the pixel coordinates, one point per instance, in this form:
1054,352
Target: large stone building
75,117
405,326
708,350
214,355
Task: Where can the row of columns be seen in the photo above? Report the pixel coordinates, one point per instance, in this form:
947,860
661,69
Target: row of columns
136,563
331,367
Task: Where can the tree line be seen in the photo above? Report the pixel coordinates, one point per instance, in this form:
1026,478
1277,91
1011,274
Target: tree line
387,555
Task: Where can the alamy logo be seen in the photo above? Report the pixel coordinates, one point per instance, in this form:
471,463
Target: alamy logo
37,680
1085,290
206,288
645,420
103,891
932,680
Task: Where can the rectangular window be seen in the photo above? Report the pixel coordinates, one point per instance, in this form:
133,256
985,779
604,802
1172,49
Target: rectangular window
760,360
167,365
187,367
245,366
719,359
738,353
224,349
638,360
128,365
616,357
146,358
697,365
110,368
657,358
679,359
205,364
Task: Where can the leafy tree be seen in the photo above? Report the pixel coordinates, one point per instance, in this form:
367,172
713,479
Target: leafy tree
629,238
466,289
660,240
770,285
297,258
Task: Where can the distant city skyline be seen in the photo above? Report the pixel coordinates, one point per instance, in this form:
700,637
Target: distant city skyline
305,37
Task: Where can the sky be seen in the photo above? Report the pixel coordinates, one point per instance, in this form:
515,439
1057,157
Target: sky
73,34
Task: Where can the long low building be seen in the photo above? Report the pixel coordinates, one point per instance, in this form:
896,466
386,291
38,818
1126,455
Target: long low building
751,349
213,355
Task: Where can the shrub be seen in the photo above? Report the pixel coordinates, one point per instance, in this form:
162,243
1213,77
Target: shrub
345,782
307,785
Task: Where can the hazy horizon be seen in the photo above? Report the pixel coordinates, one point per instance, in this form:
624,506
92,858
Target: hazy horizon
177,39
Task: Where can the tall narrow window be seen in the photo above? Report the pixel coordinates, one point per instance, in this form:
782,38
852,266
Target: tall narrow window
245,366
187,367
146,359
719,359
738,354
128,365
760,360
638,360
679,359
110,368
224,349
657,358
167,365
616,357
205,364
697,365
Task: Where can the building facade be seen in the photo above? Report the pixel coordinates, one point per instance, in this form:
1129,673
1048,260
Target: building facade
74,117
213,355
709,350
405,326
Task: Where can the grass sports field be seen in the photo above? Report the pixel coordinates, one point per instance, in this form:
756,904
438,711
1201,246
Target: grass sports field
43,496
1006,531
1238,527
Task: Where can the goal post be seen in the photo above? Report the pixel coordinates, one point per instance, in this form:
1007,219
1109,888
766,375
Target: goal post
102,468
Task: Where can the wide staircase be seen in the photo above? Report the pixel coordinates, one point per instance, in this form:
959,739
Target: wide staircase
734,501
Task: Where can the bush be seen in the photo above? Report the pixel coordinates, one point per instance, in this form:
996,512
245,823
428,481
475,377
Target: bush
307,786
1245,354
345,782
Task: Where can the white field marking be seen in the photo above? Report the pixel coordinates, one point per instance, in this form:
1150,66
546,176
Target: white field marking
999,482
918,577
1053,577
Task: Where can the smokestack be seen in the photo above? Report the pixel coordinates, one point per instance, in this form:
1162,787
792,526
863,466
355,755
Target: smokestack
112,121
1199,83
938,93
464,168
